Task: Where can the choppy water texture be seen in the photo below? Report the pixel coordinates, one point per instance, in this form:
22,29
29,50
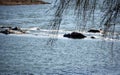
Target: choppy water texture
30,54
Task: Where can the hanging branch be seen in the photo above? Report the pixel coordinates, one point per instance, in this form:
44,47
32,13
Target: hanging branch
84,10
110,16
55,24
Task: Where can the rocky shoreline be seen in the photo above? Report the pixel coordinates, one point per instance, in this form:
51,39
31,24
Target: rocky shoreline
21,2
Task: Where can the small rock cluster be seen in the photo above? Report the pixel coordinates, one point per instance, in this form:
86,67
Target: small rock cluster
11,30
76,35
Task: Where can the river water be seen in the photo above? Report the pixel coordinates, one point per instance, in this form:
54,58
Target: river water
30,54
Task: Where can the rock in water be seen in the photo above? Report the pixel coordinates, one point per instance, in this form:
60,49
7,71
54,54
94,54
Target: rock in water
5,31
74,35
10,30
92,37
94,31
16,28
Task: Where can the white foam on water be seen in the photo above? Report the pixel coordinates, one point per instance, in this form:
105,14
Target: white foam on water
45,33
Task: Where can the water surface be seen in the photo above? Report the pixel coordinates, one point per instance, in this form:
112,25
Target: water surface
29,54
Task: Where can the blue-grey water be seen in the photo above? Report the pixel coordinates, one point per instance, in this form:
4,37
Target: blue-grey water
29,54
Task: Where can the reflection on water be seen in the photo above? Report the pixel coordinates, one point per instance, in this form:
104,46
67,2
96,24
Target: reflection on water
29,54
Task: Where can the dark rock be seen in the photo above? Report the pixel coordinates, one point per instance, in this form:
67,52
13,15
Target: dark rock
5,27
67,35
15,28
10,30
92,37
74,35
94,31
5,32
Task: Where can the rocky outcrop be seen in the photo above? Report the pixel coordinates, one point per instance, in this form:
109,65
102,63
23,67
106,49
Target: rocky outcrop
74,35
10,30
21,2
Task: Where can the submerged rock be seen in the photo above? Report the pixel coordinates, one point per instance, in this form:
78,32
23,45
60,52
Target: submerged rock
74,35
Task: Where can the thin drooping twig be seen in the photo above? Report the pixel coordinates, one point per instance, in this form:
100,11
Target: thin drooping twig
55,24
111,15
85,9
